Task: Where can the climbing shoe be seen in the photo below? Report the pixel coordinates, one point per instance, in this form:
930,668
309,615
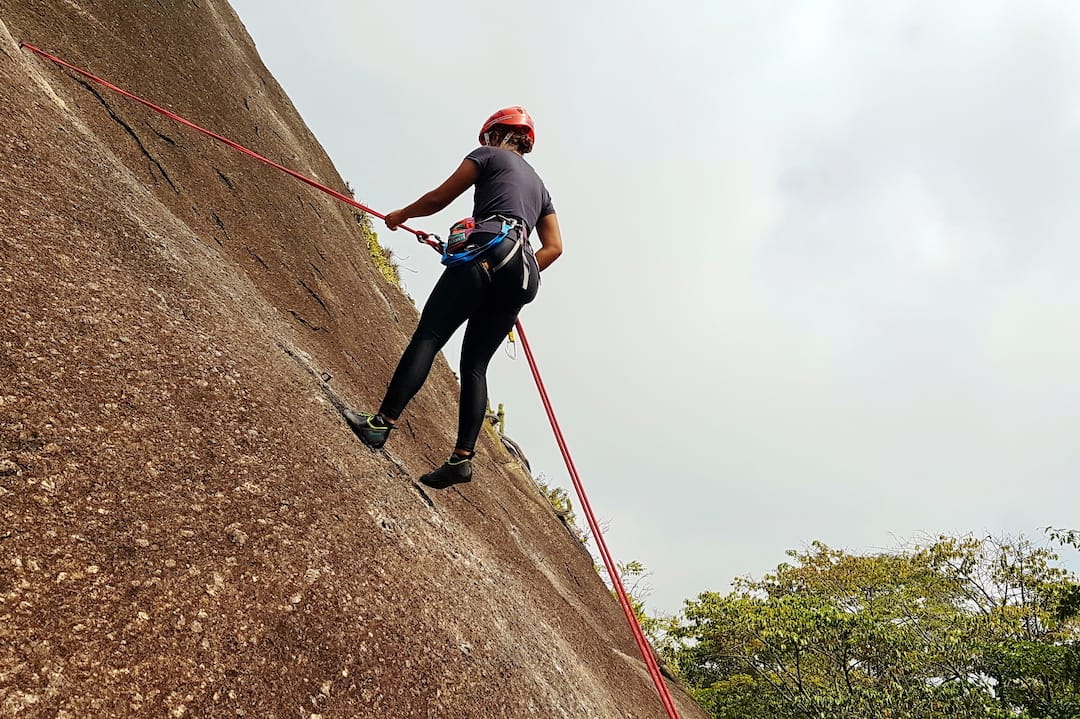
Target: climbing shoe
372,429
457,469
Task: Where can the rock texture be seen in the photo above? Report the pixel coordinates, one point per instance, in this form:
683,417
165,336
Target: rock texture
187,526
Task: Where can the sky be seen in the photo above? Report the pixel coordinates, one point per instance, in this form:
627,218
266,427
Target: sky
820,257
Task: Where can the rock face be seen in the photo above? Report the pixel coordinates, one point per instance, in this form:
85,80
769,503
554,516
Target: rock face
187,526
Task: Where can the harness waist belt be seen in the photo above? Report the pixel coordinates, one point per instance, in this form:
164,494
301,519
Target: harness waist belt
509,224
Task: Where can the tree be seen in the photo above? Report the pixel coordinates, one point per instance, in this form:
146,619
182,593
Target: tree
964,627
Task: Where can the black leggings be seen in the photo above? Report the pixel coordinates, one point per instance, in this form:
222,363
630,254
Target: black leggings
490,301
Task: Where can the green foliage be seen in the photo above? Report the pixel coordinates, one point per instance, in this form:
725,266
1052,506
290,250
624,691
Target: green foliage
383,257
657,628
560,501
563,506
633,574
1064,537
964,627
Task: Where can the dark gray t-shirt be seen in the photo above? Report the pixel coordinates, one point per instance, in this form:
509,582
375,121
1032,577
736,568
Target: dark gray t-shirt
508,185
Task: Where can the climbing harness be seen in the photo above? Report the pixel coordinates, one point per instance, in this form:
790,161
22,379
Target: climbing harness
433,241
457,250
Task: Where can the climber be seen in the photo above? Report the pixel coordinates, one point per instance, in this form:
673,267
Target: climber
491,273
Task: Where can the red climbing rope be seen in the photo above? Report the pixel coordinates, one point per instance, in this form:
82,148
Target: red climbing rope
620,591
594,526
421,236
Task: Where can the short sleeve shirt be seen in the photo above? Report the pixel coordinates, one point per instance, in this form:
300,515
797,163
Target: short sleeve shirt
508,185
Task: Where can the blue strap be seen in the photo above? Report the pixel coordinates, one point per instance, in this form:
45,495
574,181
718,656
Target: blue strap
460,258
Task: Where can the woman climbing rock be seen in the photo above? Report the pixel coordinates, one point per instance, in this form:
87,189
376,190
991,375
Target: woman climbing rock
491,273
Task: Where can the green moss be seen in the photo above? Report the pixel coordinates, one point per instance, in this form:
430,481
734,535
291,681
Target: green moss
382,257
493,432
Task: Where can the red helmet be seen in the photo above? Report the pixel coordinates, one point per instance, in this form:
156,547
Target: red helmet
515,116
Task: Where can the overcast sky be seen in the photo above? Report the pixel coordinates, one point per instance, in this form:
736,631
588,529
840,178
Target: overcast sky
820,278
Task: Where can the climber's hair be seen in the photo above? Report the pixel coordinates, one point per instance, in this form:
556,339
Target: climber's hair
511,138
